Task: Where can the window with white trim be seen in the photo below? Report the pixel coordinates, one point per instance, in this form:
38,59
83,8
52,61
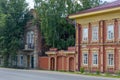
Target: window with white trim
95,58
110,32
94,33
110,59
85,58
85,34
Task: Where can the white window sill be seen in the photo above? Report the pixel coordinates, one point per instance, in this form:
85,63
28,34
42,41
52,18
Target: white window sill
85,64
112,40
110,66
85,41
94,65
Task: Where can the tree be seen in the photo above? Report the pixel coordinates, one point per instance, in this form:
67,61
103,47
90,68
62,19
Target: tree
52,13
13,29
2,16
90,3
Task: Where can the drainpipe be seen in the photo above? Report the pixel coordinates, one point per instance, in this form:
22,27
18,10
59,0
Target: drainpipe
104,34
78,47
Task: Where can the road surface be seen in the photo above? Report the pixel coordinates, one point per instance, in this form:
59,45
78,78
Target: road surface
18,74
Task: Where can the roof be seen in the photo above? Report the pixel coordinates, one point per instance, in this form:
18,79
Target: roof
114,4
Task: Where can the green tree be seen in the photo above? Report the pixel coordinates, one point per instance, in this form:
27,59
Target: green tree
2,16
54,26
90,3
13,29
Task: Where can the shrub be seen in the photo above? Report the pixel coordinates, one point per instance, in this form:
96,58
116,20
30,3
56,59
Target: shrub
118,73
82,70
89,69
107,74
98,72
61,70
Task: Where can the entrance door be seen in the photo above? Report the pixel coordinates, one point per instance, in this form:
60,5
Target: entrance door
71,64
28,61
52,62
59,63
32,62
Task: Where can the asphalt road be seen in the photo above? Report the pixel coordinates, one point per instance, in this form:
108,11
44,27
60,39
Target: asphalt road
17,74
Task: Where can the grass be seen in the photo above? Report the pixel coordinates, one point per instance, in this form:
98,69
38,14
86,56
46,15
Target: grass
104,75
97,74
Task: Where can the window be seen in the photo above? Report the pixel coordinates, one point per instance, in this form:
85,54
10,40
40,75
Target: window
95,59
110,32
95,33
85,34
30,39
85,58
21,59
110,59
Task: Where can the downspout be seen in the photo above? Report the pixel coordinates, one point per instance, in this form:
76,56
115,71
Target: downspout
78,47
104,37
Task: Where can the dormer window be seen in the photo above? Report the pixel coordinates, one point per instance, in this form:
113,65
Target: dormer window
30,39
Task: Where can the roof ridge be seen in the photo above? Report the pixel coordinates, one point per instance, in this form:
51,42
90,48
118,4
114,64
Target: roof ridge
113,4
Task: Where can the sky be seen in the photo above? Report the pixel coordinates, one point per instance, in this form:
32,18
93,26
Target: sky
31,3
